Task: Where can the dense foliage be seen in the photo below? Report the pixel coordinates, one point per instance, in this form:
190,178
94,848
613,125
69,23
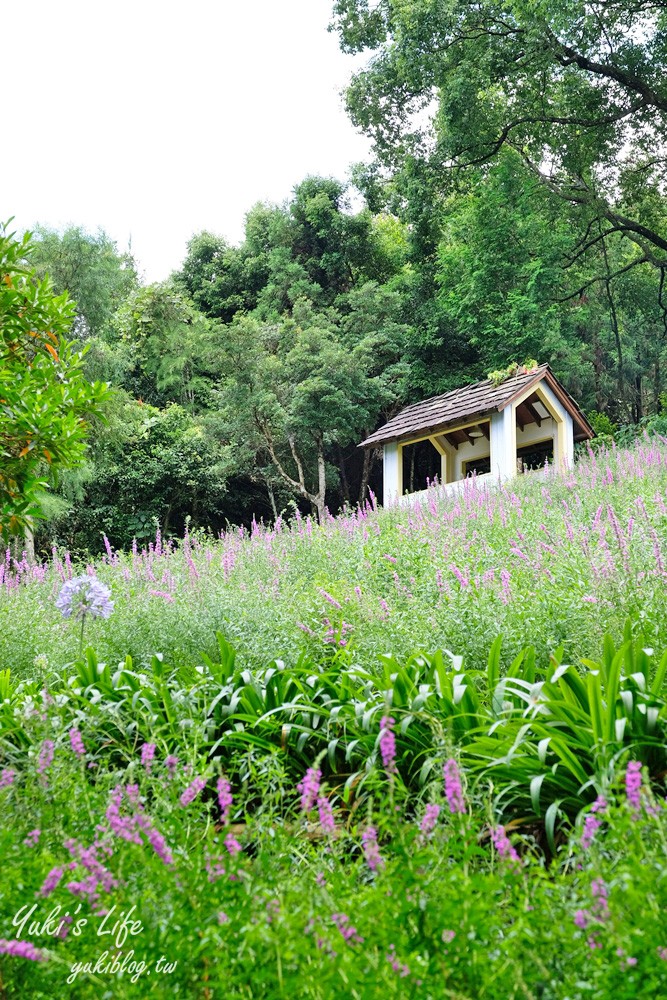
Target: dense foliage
319,796
45,400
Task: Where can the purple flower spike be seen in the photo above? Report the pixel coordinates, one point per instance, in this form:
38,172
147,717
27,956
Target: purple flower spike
388,743
633,784
76,740
453,789
326,815
45,756
225,799
309,787
7,777
147,755
592,823
430,818
502,844
21,949
369,840
192,791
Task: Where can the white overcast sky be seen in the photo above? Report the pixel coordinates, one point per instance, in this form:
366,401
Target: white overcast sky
156,119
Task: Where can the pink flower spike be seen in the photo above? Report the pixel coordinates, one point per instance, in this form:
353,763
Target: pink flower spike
388,743
326,815
633,784
430,819
192,791
76,741
148,755
225,799
453,789
502,844
309,787
21,949
374,859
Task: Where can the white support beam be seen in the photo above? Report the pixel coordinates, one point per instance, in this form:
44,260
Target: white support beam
503,444
392,472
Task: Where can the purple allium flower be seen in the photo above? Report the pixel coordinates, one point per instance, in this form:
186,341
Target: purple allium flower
453,790
7,777
192,791
387,743
76,740
429,819
372,854
309,787
148,755
225,799
51,881
21,949
32,838
84,595
633,784
502,844
326,815
45,756
232,845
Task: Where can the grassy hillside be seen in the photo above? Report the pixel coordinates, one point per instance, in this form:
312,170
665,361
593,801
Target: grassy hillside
347,823
552,562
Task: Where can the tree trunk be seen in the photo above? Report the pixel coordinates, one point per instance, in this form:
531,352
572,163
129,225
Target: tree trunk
366,473
29,541
320,497
272,499
343,475
614,322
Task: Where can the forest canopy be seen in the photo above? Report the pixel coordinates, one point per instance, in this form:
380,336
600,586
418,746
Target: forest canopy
515,208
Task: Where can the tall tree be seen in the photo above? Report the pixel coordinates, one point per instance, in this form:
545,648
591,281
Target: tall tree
295,392
578,90
89,267
45,399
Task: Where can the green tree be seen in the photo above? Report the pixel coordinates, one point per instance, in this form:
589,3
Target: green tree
296,392
576,89
168,348
45,401
89,267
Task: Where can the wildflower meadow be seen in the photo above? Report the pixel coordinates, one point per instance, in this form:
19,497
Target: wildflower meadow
414,752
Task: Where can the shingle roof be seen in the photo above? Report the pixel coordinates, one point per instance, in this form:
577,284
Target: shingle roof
476,400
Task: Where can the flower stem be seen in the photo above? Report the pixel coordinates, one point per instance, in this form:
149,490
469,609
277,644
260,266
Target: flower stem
83,622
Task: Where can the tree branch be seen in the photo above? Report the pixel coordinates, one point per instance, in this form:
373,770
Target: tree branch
567,56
